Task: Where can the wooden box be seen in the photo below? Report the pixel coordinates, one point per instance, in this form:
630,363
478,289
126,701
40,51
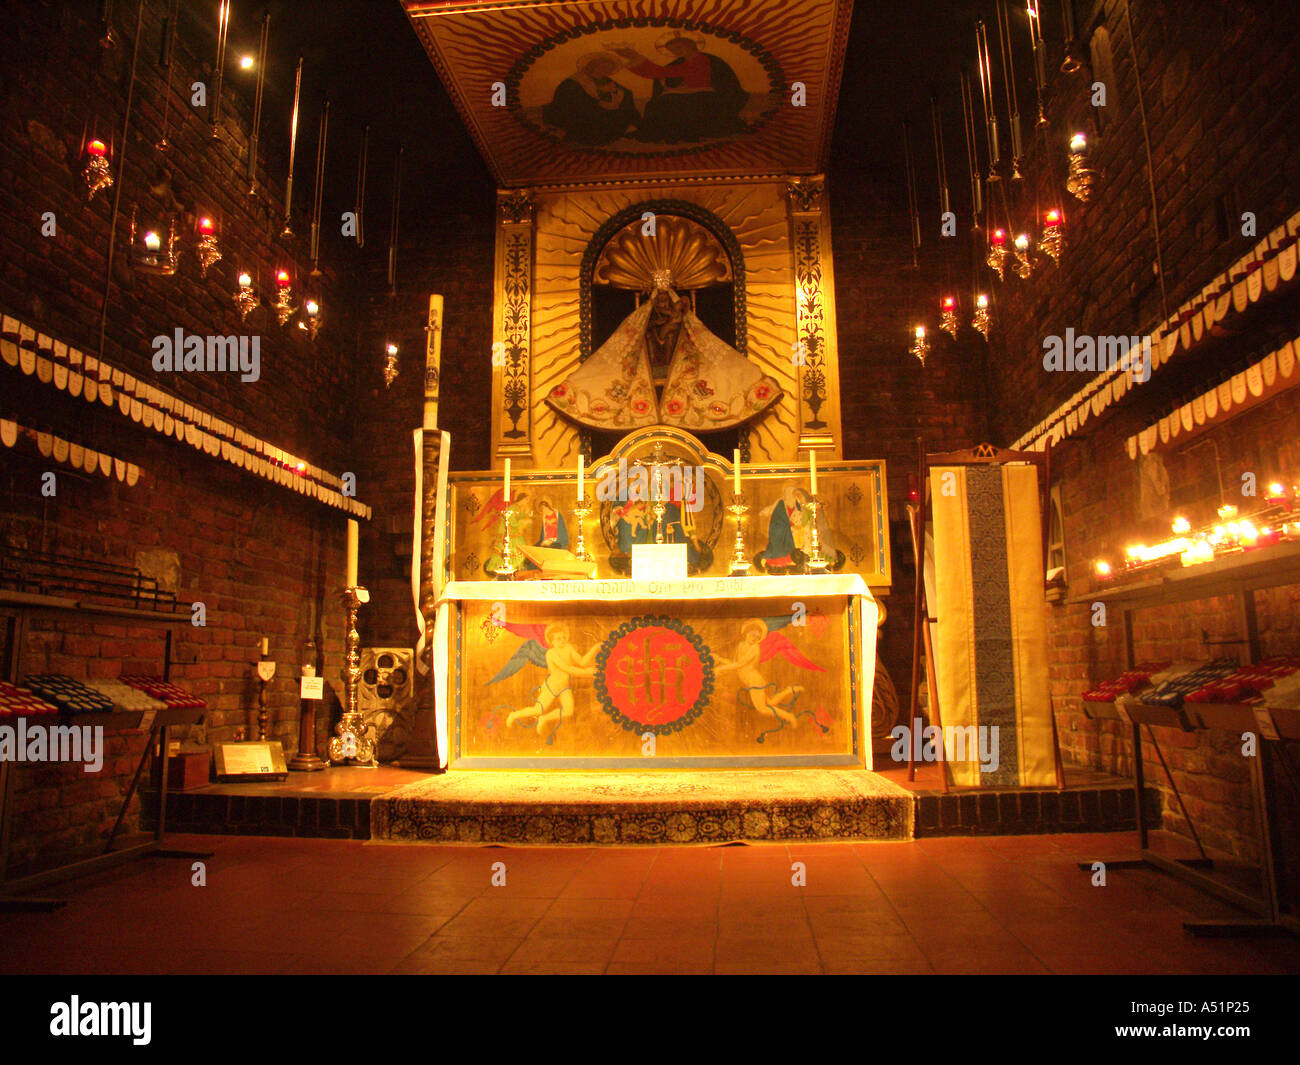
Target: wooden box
188,770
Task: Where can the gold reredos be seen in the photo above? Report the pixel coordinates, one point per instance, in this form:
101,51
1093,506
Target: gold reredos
686,251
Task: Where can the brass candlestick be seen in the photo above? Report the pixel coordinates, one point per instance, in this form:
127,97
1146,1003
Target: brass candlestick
815,563
352,742
265,674
508,568
739,564
580,512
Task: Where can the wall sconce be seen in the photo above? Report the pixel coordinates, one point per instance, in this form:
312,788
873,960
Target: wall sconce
206,247
948,316
310,320
980,320
98,175
1080,181
920,345
390,364
146,252
283,305
1023,266
997,257
1050,242
246,298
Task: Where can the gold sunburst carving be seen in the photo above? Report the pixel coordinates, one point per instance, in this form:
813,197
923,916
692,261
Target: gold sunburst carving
685,250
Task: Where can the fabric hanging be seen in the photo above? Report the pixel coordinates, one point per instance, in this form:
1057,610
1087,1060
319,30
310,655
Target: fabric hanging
990,637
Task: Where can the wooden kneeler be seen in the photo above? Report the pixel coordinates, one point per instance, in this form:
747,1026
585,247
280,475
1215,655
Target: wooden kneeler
985,454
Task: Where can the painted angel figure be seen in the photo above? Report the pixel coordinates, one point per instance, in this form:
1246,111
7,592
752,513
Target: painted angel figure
491,517
760,641
547,647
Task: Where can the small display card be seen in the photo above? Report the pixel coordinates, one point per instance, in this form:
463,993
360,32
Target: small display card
262,760
659,562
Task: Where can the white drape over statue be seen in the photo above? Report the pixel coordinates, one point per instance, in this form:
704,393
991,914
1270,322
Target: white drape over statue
706,384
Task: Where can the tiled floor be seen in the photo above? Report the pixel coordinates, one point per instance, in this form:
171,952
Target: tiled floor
995,905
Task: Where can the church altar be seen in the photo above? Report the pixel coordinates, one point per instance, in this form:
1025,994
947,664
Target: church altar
665,370
705,672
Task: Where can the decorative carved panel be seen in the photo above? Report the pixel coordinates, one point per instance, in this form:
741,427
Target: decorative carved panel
686,251
815,350
512,339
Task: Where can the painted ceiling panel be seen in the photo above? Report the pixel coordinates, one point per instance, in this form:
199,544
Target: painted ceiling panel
562,92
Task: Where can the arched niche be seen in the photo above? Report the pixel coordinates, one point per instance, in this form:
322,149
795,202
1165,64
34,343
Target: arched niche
618,266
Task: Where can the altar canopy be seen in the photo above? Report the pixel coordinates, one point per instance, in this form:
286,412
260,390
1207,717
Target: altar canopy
990,639
706,384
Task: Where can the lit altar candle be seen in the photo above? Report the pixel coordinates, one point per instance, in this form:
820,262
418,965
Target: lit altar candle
735,471
507,498
352,553
581,466
812,469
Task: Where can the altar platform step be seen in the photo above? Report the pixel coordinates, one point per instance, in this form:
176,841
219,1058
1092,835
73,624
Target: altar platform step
507,807
1091,801
626,808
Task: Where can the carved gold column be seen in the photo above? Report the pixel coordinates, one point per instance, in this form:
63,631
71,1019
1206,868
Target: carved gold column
816,349
512,330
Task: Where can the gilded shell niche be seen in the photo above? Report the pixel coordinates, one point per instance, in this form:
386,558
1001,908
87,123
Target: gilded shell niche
688,253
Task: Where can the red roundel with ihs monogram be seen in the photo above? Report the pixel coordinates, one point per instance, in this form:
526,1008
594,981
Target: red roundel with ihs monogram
654,674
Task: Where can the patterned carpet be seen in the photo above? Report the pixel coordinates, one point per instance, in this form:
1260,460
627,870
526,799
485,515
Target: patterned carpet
710,806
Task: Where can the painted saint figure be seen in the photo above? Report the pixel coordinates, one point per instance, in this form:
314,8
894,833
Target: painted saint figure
696,95
789,534
553,532
781,529
589,106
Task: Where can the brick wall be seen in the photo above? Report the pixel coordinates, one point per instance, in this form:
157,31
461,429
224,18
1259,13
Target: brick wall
450,252
254,553
887,399
1222,108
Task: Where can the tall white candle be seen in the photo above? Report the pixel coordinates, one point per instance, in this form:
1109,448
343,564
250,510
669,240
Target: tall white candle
353,533
507,481
581,466
812,467
735,471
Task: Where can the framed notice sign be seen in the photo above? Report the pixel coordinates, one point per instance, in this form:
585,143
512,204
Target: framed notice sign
251,761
